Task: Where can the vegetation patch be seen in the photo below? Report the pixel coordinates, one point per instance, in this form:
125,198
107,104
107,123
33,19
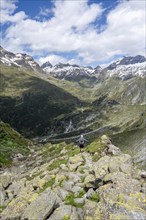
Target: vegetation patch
11,143
56,164
95,197
48,184
2,207
69,200
66,217
95,148
81,194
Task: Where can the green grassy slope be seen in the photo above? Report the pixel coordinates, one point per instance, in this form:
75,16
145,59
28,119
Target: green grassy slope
30,103
127,92
11,143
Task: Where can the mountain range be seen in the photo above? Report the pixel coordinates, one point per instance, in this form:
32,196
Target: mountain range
124,68
44,100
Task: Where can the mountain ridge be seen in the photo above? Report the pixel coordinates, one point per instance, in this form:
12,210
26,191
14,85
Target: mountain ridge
131,66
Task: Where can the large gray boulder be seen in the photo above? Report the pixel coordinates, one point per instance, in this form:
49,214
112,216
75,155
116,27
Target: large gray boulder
40,208
61,213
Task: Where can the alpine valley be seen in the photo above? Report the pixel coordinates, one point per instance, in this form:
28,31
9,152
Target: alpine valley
43,111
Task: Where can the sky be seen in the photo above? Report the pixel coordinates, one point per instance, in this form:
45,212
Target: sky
83,32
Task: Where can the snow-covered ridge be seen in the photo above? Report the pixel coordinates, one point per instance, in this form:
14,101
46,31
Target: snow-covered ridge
19,60
124,68
127,71
68,71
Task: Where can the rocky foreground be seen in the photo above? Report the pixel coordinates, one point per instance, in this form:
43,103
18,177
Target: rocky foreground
73,186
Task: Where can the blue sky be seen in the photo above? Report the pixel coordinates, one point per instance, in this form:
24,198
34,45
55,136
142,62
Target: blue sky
84,32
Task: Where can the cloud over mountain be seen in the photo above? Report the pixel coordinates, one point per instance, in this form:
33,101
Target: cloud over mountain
77,27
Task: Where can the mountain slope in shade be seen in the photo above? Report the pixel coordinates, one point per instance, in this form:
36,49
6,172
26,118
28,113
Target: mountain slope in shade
30,104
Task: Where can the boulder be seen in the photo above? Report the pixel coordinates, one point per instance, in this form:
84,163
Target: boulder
121,163
74,167
6,179
3,196
41,207
113,150
76,159
67,185
89,209
79,201
61,213
76,190
90,193
105,140
89,180
100,168
62,193
121,182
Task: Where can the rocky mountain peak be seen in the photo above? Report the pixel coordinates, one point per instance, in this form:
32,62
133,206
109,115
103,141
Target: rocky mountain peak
132,60
19,60
47,64
127,61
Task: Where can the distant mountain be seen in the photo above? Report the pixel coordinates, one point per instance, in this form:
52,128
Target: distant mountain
124,69
19,60
69,72
127,61
127,67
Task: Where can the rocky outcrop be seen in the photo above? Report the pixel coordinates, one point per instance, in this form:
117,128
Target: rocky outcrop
78,188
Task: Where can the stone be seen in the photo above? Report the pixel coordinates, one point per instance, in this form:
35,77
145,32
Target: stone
15,209
143,188
143,174
3,196
61,193
113,150
75,159
60,177
74,167
116,183
105,140
16,187
101,167
88,180
64,151
41,207
76,190
90,193
61,213
89,209
75,177
6,179
64,167
120,163
79,201
67,185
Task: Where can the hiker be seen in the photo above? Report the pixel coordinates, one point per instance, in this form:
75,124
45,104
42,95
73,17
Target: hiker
81,142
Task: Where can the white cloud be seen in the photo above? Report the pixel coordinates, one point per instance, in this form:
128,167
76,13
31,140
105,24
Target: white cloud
53,59
7,9
71,29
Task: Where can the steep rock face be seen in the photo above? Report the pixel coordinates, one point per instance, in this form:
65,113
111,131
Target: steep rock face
108,188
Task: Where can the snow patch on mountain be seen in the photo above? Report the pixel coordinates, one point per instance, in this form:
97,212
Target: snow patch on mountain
127,71
68,71
19,60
